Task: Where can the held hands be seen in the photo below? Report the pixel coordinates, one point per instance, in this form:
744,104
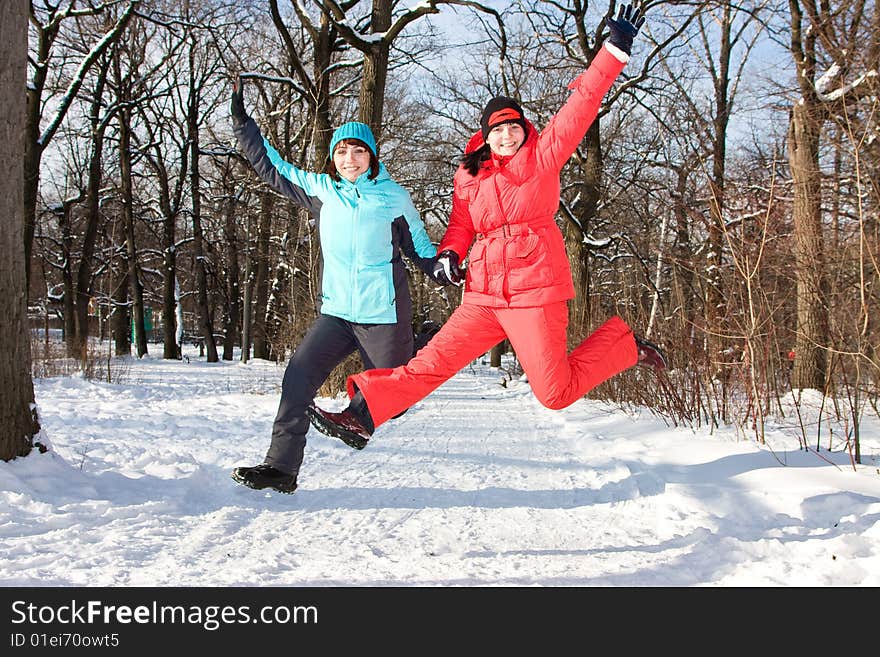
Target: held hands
236,106
446,269
625,27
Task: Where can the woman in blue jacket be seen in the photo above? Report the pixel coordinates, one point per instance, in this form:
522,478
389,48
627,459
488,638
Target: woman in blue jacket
364,221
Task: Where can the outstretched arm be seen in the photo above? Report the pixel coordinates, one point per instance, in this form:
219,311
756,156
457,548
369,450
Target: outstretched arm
299,186
567,128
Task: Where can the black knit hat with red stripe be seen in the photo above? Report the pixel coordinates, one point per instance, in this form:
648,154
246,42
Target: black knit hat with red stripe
501,110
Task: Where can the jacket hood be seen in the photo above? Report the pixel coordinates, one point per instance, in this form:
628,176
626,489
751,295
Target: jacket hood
383,173
476,142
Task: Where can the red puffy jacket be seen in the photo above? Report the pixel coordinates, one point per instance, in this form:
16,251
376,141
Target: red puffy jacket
519,257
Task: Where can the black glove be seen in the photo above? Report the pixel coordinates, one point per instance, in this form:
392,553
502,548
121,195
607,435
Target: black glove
236,106
446,269
625,27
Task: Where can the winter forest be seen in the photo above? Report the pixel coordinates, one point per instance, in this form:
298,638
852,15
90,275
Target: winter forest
725,202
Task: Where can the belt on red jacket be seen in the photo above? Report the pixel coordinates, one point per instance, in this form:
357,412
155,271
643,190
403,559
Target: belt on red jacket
512,230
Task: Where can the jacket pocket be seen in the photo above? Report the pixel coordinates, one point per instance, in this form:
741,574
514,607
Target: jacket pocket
477,273
374,298
529,263
523,247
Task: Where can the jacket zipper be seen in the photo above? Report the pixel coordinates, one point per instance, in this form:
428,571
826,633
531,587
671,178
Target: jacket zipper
504,244
356,236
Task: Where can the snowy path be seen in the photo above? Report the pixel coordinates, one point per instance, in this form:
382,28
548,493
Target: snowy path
476,485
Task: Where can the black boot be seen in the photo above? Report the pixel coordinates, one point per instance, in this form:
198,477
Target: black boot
353,426
265,476
650,355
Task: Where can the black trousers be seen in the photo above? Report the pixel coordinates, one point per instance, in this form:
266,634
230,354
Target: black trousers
328,342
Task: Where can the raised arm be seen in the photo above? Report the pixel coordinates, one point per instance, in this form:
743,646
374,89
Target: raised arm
567,128
299,186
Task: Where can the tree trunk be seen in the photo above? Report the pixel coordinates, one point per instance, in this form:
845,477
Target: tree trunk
92,216
683,292
120,318
206,320
372,95
496,353
18,416
170,348
33,149
31,161
233,304
375,73
205,316
170,330
812,287
580,308
277,307
246,317
261,282
716,297
323,130
714,309
137,289
67,274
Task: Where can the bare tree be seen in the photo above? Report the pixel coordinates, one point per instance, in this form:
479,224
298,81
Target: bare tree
200,255
46,20
164,150
262,339
232,319
721,30
706,84
831,48
375,39
138,76
125,84
77,342
18,414
314,88
165,153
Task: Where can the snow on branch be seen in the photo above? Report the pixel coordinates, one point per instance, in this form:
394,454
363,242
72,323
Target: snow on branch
275,78
84,67
366,41
824,84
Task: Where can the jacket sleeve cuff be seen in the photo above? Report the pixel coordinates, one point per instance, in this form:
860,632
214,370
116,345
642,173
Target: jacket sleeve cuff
448,247
617,52
606,63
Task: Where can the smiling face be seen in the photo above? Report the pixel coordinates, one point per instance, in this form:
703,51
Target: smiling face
505,139
351,160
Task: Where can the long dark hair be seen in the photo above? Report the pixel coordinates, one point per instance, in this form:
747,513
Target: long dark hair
374,161
474,160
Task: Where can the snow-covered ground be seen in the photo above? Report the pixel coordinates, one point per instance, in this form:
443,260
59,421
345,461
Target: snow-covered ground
477,485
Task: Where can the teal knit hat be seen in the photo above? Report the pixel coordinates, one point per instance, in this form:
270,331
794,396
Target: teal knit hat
354,130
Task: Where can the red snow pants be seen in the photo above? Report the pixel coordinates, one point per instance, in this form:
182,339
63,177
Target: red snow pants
537,335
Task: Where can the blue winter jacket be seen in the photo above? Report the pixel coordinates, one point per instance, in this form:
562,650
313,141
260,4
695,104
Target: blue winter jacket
363,227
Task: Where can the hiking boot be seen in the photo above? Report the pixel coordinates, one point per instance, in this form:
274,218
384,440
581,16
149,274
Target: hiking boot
345,425
650,355
265,476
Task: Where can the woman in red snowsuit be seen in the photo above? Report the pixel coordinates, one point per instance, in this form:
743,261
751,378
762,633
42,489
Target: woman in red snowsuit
505,198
